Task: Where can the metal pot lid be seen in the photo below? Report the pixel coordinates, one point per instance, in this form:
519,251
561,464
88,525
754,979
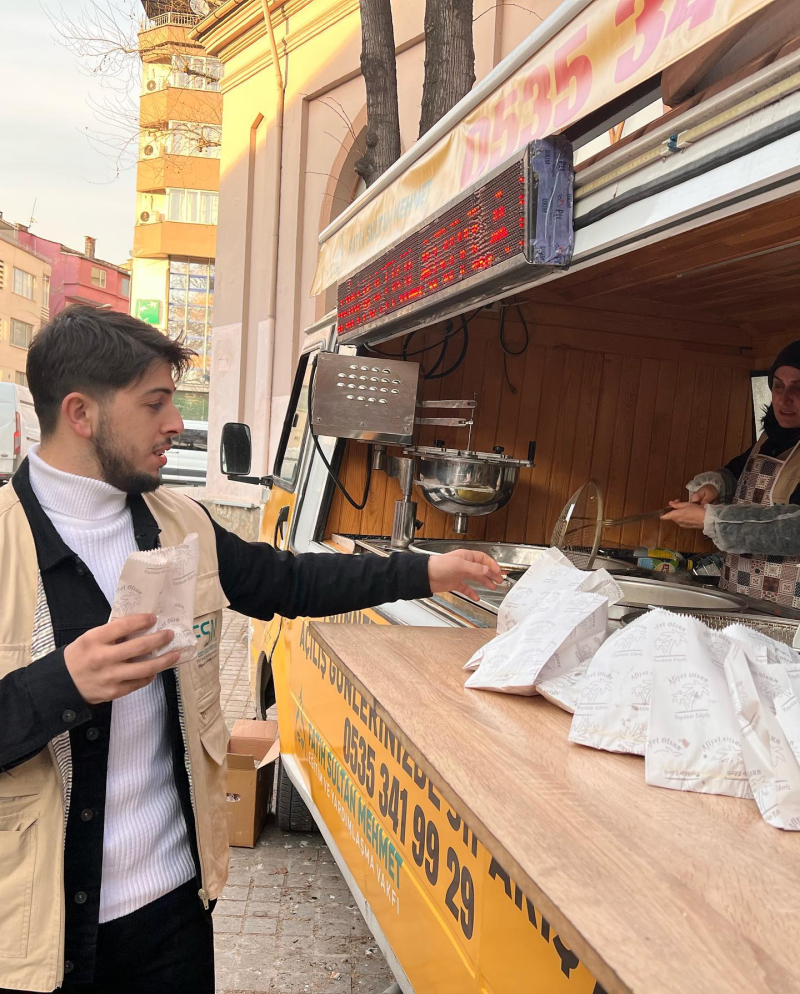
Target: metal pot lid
463,455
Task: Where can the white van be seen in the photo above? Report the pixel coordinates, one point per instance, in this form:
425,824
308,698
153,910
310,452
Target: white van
187,460
19,428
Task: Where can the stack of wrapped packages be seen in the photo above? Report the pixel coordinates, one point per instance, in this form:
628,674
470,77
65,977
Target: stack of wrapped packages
710,711
548,629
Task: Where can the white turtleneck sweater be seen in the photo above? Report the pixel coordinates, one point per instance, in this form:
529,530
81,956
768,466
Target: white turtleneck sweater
146,851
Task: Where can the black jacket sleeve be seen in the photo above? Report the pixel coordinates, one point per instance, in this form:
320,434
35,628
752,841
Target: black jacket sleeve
37,702
737,465
259,581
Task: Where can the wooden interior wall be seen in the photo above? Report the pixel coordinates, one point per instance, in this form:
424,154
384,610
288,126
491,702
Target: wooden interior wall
766,347
631,393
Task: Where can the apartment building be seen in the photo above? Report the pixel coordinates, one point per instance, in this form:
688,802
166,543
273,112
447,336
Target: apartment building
24,301
177,184
79,277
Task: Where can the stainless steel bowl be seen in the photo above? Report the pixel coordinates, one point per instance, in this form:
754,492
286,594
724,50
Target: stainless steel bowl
470,483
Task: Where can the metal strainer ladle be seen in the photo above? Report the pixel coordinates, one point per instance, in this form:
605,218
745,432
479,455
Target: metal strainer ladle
577,531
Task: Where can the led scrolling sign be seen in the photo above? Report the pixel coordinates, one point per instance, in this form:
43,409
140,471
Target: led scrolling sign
523,212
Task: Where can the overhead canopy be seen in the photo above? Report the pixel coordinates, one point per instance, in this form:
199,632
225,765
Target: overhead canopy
610,47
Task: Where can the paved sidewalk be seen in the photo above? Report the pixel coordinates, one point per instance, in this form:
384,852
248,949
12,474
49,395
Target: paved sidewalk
287,922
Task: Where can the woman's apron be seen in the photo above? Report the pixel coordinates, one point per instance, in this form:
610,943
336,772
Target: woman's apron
770,578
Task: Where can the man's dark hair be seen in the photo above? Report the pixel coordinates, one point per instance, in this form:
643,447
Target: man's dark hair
96,352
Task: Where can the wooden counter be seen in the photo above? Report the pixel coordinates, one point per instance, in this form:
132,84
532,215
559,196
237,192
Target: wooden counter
657,891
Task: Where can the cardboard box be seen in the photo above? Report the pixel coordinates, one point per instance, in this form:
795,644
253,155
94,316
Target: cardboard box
252,752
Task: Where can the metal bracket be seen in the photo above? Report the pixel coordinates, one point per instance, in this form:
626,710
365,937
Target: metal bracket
445,422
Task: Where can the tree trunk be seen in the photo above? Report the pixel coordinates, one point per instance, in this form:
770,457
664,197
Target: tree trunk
449,58
379,68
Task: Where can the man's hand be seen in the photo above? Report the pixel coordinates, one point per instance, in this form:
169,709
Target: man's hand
451,572
99,661
707,494
686,514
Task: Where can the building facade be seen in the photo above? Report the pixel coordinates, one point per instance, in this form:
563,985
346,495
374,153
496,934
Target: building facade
287,171
79,277
24,301
177,184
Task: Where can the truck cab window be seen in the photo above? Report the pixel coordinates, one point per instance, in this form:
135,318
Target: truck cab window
287,460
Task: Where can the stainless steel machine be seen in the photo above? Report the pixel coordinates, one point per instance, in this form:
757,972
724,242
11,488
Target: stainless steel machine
376,401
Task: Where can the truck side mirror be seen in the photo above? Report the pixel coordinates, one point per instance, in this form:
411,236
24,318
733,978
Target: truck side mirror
236,449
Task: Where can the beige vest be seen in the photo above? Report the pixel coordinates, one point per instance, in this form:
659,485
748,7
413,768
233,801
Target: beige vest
32,812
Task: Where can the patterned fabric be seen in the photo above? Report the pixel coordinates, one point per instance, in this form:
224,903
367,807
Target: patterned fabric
42,643
770,578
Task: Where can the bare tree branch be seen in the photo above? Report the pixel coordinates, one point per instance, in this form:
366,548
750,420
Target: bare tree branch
519,6
104,40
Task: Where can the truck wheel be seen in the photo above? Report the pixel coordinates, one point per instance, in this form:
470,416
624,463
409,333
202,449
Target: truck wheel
293,815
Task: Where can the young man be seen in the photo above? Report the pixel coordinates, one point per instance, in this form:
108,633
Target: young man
113,838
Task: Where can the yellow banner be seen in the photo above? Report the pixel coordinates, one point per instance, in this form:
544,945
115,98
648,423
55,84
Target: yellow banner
611,47
456,920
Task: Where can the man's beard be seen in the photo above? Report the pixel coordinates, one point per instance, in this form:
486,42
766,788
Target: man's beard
116,467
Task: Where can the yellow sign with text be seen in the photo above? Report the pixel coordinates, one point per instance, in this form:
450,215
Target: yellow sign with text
454,918
608,49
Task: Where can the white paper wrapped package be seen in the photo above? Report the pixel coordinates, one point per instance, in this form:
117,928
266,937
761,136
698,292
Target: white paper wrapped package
562,676
551,571
162,582
766,704
772,652
557,637
694,739
612,711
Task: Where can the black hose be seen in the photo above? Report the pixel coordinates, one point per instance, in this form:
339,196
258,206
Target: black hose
404,353
507,350
339,485
433,375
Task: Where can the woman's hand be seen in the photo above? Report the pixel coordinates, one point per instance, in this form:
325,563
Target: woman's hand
686,514
451,572
707,494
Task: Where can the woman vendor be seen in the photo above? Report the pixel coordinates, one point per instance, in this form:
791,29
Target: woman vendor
750,509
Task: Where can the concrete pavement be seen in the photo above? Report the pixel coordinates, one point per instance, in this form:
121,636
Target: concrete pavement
286,921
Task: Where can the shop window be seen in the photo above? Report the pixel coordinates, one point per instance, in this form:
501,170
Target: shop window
190,310
192,405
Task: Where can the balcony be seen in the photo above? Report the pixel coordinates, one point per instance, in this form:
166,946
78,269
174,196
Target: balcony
160,239
178,104
160,37
164,20
193,172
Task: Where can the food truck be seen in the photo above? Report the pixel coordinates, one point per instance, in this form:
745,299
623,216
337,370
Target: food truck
515,318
